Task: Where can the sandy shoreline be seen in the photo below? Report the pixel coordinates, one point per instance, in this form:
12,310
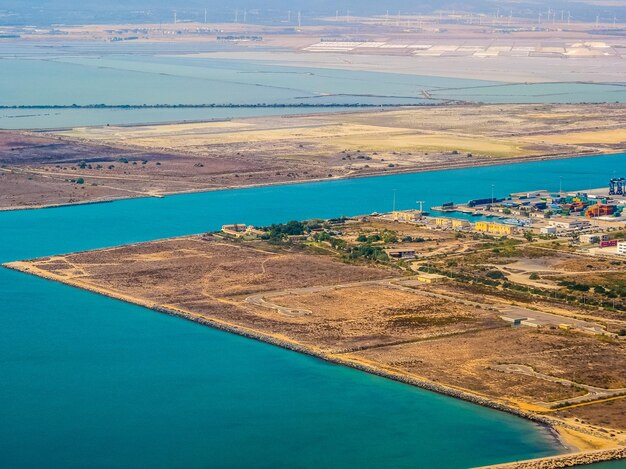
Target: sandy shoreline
577,440
390,172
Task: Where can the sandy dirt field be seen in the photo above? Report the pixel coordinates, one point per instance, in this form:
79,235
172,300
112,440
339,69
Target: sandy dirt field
485,131
466,361
41,169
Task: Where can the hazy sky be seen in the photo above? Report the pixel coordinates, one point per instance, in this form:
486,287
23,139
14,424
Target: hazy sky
77,11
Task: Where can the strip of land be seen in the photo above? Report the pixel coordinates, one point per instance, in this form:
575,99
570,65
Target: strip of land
335,294
90,164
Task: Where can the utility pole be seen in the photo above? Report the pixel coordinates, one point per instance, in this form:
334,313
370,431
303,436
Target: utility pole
492,197
175,19
393,206
421,202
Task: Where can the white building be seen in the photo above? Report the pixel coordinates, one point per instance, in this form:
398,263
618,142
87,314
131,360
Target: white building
593,238
621,248
570,224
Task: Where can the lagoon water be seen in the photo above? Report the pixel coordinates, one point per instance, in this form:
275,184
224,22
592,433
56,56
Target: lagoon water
91,381
59,78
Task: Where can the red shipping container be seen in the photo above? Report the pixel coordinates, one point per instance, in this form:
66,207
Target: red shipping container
608,244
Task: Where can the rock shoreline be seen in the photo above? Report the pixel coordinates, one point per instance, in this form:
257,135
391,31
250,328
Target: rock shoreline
566,460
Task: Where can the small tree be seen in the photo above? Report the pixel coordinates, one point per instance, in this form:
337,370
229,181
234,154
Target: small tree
390,237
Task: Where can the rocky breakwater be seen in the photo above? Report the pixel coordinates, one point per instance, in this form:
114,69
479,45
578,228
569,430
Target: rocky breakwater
566,460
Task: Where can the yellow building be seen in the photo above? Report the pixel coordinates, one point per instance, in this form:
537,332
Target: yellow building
407,216
494,228
459,224
442,221
431,278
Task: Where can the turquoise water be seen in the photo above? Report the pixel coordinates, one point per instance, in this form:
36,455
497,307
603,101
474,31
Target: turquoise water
90,381
25,234
610,465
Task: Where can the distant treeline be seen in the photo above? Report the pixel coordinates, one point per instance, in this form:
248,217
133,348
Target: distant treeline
239,38
201,106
